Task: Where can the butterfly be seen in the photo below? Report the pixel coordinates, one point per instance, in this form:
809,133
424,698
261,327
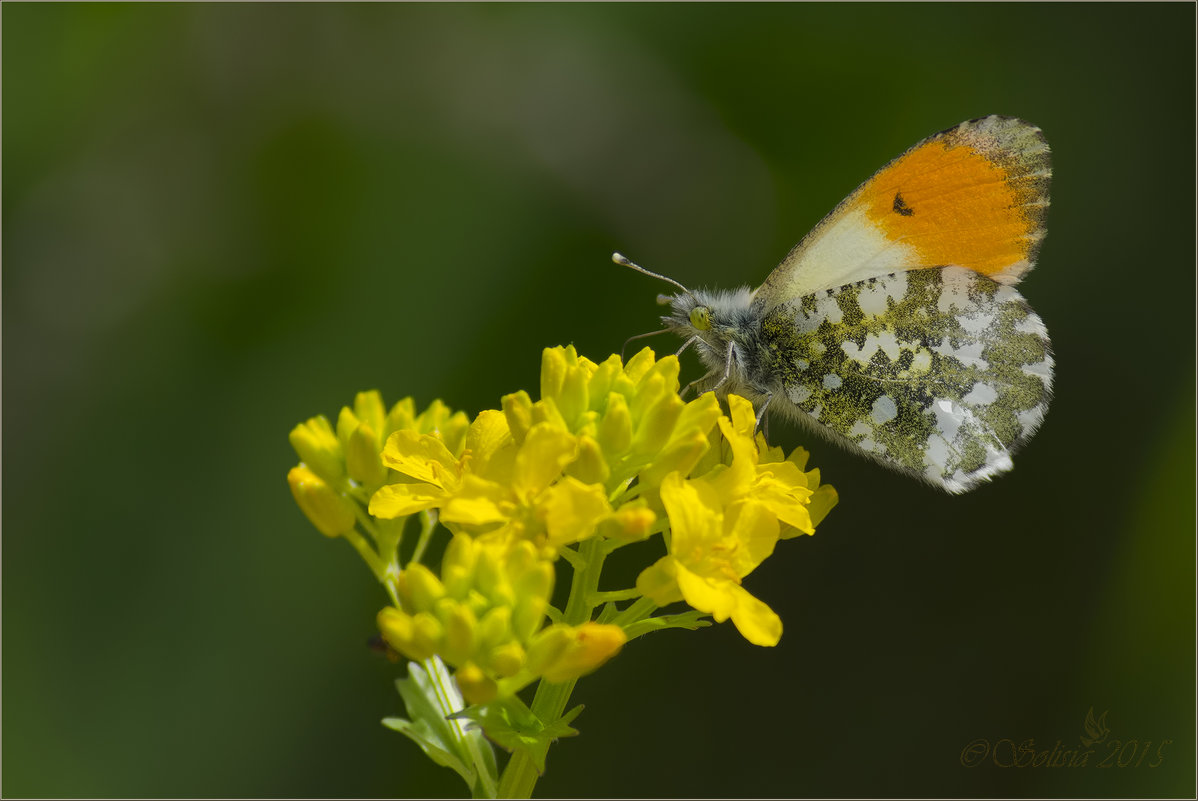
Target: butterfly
894,327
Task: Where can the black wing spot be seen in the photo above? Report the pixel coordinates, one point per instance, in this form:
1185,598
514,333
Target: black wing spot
901,207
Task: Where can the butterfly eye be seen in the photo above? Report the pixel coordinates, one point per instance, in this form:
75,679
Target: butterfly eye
700,318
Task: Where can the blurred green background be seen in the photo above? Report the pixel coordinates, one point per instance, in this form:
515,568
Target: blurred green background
222,219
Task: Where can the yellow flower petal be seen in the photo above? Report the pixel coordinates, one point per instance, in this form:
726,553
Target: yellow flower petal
717,598
422,457
658,583
753,527
744,419
571,510
397,500
756,622
693,522
478,502
487,434
822,501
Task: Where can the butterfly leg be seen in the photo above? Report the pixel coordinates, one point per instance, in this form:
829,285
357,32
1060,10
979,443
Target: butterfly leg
765,404
723,379
727,366
685,345
695,383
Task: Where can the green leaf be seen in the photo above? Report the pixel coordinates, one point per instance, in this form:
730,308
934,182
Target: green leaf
433,703
687,620
512,725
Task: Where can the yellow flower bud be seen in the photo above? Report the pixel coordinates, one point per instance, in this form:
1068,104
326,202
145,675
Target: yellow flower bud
368,407
427,633
603,378
589,467
527,616
419,588
476,687
449,427
517,408
490,572
547,647
632,521
402,416
545,411
459,631
569,390
477,602
329,511
495,628
641,363
532,589
680,455
554,366
507,659
347,421
589,646
402,633
319,448
657,423
615,430
362,460
457,566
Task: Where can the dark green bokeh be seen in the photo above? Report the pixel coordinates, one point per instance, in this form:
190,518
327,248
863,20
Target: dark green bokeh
220,220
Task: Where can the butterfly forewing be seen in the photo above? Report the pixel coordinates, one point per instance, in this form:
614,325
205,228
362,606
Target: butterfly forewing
942,373
974,196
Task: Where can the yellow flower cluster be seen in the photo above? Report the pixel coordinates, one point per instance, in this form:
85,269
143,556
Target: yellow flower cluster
484,616
607,455
319,483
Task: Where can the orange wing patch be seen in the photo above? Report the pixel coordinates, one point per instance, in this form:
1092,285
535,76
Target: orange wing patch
975,196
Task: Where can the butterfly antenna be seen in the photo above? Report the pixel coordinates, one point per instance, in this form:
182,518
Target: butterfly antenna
621,260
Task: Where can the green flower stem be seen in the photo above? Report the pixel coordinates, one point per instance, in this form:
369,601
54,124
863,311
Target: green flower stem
387,572
428,521
520,776
635,612
585,586
371,557
616,595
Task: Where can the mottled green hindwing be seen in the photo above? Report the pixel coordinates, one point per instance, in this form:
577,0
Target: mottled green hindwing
941,372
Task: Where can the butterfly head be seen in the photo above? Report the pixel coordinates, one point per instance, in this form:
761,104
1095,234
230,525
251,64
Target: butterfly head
723,326
714,318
